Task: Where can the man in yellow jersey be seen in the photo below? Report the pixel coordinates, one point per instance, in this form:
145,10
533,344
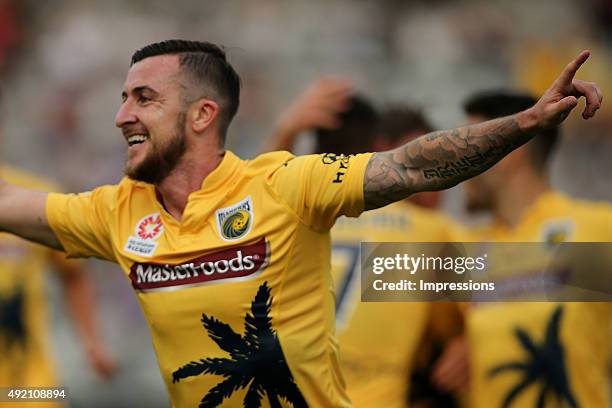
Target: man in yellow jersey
531,354
230,258
24,329
377,341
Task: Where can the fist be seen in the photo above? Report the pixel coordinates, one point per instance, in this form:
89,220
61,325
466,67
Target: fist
318,107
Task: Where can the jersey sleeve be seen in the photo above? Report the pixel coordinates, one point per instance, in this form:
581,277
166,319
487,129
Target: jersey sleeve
82,222
320,188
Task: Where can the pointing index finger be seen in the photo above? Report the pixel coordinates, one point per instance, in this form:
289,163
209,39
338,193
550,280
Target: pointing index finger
570,70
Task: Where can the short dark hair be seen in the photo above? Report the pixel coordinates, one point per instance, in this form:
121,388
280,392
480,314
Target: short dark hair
207,64
359,126
497,103
398,120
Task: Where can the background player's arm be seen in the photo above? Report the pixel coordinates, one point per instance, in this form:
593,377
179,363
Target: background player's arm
318,107
451,372
79,297
443,159
23,213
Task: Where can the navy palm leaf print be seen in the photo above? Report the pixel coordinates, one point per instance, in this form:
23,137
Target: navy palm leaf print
545,365
256,360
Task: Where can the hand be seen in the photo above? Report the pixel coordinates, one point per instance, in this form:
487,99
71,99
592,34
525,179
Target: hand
562,96
102,362
318,107
451,373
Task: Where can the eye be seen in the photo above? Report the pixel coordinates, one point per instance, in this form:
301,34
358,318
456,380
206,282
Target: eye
143,99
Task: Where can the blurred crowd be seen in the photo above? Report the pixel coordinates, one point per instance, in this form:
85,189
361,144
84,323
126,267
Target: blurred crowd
63,63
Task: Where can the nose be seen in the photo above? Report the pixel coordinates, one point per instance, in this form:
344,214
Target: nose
125,115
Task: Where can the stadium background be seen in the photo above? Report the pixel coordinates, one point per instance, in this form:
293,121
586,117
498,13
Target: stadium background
63,64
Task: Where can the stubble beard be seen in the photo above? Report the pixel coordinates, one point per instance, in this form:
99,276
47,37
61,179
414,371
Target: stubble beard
161,159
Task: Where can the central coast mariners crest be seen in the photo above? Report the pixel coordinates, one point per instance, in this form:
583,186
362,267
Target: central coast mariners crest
235,222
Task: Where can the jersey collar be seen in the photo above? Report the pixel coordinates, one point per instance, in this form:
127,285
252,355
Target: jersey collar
548,203
220,178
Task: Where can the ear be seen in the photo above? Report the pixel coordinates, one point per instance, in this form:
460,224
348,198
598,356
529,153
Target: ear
202,113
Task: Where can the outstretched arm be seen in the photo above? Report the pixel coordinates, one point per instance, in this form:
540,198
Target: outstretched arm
443,159
22,212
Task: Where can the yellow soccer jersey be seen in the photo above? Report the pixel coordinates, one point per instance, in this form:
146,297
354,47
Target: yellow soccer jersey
556,353
378,341
238,293
26,359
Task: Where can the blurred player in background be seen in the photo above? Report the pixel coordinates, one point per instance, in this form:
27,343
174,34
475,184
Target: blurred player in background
530,354
377,341
24,322
216,246
400,124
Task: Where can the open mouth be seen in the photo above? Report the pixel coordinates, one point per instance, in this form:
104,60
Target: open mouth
137,139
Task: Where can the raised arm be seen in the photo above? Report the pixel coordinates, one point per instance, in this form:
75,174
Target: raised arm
22,212
443,159
319,106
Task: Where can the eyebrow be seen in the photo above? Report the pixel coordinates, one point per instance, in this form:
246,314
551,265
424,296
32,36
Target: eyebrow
139,90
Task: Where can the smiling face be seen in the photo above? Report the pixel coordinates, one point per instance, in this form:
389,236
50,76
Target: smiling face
152,118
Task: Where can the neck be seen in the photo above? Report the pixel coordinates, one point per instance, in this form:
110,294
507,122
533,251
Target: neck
187,177
519,192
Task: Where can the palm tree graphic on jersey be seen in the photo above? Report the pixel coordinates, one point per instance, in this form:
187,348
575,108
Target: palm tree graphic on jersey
256,359
545,363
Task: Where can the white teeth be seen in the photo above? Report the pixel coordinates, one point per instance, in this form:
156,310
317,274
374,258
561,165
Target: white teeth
136,139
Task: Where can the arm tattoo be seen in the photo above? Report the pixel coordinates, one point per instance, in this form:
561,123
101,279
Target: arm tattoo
439,160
